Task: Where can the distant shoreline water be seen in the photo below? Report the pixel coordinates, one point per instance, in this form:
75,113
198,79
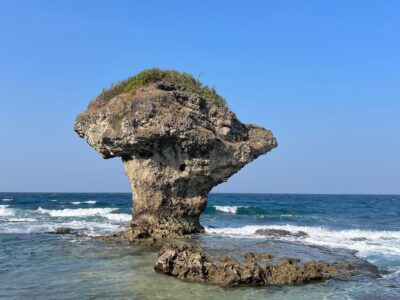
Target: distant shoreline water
338,227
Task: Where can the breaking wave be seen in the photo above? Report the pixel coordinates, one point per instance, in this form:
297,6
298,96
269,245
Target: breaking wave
5,211
119,218
229,209
21,220
365,242
17,221
87,227
79,212
87,202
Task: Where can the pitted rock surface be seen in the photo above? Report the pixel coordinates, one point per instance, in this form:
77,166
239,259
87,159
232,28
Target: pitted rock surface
189,263
175,147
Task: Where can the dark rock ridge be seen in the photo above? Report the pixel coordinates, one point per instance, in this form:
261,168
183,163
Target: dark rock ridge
63,230
189,263
177,140
279,233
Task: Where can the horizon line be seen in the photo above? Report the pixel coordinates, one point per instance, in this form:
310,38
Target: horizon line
248,193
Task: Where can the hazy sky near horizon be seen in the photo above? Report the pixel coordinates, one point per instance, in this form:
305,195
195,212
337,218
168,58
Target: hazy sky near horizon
324,76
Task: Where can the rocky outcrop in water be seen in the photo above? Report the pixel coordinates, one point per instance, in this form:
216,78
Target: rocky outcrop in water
279,233
177,140
189,263
63,230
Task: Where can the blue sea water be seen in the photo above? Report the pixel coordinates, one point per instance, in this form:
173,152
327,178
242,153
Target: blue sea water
36,264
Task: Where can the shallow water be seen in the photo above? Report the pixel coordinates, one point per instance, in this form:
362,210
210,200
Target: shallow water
40,265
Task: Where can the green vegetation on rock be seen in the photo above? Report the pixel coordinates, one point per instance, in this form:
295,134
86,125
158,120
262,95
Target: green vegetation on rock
179,81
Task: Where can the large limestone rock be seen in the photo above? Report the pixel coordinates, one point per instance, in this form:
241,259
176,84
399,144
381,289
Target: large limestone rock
177,140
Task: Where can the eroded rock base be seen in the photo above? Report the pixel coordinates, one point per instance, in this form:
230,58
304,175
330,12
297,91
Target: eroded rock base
163,227
190,263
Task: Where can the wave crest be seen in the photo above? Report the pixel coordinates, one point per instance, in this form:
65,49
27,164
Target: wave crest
119,218
365,242
78,212
229,209
5,211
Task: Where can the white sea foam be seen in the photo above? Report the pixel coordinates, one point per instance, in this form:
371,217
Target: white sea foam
228,209
87,202
21,220
87,227
366,242
5,211
119,218
79,212
394,273
54,200
7,199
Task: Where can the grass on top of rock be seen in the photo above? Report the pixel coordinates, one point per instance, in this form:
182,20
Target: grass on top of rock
180,81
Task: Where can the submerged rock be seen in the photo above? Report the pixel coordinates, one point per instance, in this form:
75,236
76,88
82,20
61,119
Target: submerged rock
177,140
280,232
188,262
359,239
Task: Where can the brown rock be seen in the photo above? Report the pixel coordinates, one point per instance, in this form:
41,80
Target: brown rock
188,262
250,256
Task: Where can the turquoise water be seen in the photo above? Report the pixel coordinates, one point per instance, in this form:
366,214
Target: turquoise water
34,263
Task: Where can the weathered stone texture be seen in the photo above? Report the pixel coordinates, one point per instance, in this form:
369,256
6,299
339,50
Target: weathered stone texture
175,147
189,263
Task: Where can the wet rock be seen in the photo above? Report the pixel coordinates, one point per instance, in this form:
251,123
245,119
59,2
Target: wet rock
81,234
359,239
116,237
250,256
301,233
286,271
188,262
127,237
279,233
177,141
63,230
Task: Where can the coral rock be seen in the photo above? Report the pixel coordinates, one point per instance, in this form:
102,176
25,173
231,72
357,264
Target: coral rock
189,263
175,144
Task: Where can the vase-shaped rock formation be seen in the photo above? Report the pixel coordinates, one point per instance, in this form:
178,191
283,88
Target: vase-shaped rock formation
177,140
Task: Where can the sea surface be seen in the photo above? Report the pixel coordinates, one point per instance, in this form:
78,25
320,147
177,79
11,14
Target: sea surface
37,264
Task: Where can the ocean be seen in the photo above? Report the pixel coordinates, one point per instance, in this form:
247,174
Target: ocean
36,264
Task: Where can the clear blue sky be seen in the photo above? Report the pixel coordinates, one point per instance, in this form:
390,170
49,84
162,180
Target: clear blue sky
323,75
